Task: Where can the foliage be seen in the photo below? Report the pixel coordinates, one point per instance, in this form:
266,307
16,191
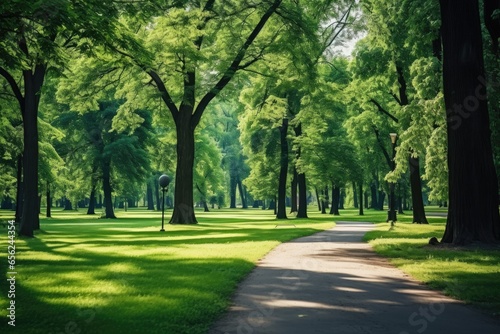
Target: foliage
91,140
208,176
327,155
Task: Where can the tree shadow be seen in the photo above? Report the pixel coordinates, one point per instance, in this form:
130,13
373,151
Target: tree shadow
125,277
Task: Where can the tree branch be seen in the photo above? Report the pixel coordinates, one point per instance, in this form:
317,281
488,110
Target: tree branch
395,97
208,7
382,110
15,88
384,151
231,70
164,94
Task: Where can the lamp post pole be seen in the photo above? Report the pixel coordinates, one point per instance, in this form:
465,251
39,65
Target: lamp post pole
392,215
164,181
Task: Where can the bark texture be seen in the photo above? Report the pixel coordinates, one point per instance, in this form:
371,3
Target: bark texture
473,186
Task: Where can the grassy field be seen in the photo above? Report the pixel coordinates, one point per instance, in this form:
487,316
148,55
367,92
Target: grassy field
82,274
87,275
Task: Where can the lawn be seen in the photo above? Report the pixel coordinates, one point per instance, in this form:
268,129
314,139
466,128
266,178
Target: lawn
468,274
82,274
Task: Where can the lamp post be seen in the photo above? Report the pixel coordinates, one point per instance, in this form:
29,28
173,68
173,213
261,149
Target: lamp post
164,181
391,214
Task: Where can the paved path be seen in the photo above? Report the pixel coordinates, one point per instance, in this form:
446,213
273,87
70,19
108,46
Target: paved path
332,282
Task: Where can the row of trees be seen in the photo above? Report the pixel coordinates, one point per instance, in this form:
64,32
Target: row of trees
252,95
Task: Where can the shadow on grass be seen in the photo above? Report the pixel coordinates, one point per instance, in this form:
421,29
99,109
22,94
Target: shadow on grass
99,294
83,275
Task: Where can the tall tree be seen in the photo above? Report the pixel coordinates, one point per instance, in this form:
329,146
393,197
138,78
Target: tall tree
473,200
34,38
207,23
394,48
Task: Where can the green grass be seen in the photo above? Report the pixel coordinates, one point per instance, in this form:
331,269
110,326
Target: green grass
471,275
89,275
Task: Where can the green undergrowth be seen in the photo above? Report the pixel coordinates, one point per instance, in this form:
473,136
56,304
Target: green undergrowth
82,274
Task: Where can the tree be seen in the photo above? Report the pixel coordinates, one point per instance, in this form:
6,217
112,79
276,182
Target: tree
260,139
10,154
118,160
492,67
50,164
473,200
225,120
398,34
208,178
210,26
328,157
35,36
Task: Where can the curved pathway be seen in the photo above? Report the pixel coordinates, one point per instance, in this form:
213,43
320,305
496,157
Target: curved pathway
332,282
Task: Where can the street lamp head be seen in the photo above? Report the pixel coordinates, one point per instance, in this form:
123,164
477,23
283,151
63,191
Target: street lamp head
164,181
394,136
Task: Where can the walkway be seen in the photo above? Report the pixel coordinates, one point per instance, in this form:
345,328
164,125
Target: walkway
332,282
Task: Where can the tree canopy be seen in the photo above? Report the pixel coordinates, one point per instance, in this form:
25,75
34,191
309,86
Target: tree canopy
252,98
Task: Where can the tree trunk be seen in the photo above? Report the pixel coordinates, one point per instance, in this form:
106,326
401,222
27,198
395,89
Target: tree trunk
68,206
157,195
373,191
355,195
318,200
106,187
380,200
302,208
232,192
327,199
324,201
183,197
361,212
243,196
293,192
281,213
416,192
341,199
19,190
335,201
92,201
400,204
149,196
473,185
33,81
492,24
301,181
